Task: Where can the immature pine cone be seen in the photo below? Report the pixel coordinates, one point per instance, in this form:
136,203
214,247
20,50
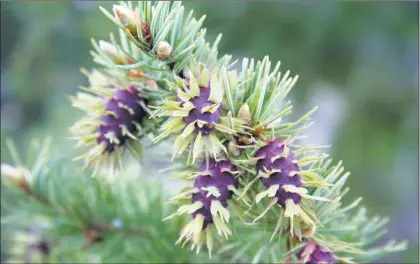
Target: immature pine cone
213,188
110,121
122,112
195,114
276,160
280,174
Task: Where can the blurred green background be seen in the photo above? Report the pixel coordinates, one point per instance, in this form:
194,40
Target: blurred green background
357,60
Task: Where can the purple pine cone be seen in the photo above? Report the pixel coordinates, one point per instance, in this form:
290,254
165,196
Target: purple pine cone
195,114
125,104
217,178
316,254
286,165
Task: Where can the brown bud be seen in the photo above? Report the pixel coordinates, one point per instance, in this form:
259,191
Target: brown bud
244,113
308,231
258,131
245,140
145,32
135,73
128,18
125,15
164,50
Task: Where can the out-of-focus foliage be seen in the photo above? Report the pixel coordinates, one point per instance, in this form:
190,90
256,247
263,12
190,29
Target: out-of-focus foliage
358,61
63,221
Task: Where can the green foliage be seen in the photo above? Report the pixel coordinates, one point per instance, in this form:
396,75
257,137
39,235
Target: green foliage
162,56
85,219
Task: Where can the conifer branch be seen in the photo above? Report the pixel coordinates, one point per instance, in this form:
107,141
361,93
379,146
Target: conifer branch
256,194
83,217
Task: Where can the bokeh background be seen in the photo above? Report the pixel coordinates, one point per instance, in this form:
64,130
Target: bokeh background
357,60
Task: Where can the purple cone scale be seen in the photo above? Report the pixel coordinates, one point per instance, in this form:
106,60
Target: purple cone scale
316,254
285,164
220,179
126,109
195,114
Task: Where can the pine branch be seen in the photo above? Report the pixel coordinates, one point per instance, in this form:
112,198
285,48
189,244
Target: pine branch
95,215
232,136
